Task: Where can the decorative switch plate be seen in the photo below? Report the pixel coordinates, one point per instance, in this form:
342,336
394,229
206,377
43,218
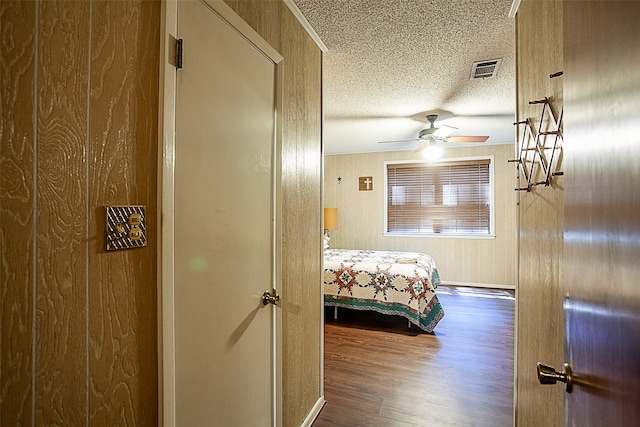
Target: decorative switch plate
126,227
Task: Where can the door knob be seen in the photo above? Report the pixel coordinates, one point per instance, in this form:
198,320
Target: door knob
270,297
548,375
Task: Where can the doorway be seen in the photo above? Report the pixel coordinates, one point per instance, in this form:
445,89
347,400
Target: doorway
221,343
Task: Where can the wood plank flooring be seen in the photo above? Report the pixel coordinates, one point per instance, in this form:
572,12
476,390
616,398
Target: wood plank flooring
378,372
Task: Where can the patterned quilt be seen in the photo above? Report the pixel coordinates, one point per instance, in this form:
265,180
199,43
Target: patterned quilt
398,283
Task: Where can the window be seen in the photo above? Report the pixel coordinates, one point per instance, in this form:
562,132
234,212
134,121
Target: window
442,198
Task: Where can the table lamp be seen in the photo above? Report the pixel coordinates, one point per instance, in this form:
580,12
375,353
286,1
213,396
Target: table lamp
330,223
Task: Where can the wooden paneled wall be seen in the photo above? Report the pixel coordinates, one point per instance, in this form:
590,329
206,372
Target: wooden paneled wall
459,260
79,96
540,321
301,195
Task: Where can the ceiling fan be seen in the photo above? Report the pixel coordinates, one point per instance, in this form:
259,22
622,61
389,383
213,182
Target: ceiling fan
431,135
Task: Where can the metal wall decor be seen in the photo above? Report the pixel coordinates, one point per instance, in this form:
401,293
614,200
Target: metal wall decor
540,149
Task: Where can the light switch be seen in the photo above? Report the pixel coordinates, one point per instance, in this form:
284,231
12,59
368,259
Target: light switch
135,234
126,227
135,219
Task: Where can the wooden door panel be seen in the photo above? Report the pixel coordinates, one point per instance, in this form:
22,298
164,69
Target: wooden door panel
540,323
602,201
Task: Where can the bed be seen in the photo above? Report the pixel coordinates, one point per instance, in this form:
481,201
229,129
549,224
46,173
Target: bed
395,283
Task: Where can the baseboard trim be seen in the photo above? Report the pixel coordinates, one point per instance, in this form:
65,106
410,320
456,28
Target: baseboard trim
314,412
479,285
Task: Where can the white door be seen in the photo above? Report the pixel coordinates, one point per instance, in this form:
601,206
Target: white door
225,245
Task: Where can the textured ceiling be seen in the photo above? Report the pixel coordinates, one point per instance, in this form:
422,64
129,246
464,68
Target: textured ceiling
389,60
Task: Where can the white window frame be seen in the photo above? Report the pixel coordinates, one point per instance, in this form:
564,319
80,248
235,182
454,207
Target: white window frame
490,235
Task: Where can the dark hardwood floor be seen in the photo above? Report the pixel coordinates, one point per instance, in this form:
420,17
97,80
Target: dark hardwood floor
378,372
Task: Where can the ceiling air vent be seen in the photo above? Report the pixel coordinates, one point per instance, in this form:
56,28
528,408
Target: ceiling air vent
485,69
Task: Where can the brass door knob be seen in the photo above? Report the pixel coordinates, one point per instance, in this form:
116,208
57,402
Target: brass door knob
548,375
270,297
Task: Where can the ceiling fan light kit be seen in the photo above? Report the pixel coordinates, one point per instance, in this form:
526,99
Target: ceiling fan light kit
429,149
432,152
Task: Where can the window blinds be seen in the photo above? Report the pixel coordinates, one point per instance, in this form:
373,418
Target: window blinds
439,198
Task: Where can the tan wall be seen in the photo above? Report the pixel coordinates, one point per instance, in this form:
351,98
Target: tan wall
301,191
540,321
465,260
79,131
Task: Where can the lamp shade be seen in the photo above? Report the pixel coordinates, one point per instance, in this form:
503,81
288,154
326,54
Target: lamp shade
330,218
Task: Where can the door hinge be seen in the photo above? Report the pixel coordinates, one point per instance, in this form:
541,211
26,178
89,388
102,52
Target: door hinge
179,53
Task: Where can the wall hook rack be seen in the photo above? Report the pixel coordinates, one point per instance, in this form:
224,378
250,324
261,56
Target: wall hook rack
540,146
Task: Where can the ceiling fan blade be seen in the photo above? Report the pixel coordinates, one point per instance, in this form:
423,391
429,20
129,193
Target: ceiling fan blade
444,131
396,142
466,138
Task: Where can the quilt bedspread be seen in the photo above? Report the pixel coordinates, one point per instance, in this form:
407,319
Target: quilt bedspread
396,283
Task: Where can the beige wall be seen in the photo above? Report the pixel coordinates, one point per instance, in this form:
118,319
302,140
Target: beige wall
79,97
461,260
